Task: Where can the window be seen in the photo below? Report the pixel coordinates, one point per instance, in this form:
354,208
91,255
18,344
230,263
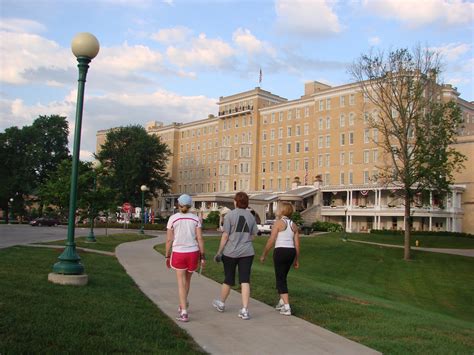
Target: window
320,141
306,146
375,135
366,136
321,105
297,147
343,139
280,149
366,177
273,117
272,166
351,119
342,101
306,111
342,158
272,150
328,141
320,160
290,114
280,133
375,154
351,138
280,166
320,124
288,165
272,134
328,122
366,117
298,113
263,167
236,123
298,130
306,129
288,148
328,160
341,178
288,131
297,165
264,151
351,158
280,116
351,178
366,157
351,99
342,120
328,104
264,135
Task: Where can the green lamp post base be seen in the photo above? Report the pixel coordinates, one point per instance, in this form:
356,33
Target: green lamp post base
69,262
141,231
91,238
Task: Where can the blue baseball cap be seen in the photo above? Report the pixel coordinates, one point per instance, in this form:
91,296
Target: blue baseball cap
185,200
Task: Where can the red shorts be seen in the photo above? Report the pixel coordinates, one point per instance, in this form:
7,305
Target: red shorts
185,261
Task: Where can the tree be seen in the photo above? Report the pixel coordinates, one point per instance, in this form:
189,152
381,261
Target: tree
29,154
417,126
131,158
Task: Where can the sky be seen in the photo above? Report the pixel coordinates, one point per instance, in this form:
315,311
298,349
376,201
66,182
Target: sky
171,60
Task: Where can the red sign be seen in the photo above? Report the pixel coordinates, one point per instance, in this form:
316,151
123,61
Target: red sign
126,207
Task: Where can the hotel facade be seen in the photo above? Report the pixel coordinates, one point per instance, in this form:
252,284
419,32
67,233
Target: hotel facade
318,151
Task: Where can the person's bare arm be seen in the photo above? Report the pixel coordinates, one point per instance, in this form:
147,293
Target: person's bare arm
200,241
296,238
277,227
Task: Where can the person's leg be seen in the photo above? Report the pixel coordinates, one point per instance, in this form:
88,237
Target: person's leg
225,291
230,265
245,268
188,284
181,278
283,258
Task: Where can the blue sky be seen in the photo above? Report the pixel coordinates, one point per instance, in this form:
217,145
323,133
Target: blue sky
170,60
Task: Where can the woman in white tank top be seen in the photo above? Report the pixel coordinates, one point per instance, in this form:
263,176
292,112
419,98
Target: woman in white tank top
286,238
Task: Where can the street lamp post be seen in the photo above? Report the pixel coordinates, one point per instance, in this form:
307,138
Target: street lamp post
11,211
85,47
91,237
344,237
143,188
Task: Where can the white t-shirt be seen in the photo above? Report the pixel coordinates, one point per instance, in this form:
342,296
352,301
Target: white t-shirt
184,230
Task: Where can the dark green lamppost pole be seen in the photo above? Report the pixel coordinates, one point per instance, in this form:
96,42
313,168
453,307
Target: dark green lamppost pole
11,211
143,188
344,237
91,237
85,47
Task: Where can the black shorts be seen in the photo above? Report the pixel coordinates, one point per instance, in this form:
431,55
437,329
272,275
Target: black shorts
230,264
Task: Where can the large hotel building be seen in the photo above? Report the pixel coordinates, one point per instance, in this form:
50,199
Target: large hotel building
317,151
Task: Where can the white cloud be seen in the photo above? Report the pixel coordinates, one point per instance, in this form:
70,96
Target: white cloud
452,51
29,52
202,52
245,40
374,41
172,35
415,13
307,17
21,25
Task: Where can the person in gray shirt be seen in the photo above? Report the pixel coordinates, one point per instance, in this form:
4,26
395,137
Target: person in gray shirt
236,250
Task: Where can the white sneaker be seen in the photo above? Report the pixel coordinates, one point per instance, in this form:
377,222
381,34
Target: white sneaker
244,314
285,310
219,305
279,306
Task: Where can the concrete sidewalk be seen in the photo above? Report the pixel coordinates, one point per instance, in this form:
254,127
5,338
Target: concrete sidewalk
267,332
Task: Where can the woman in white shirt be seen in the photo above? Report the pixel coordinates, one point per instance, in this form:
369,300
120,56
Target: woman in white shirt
184,237
286,238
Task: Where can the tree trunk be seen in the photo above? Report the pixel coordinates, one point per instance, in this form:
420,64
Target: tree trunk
406,255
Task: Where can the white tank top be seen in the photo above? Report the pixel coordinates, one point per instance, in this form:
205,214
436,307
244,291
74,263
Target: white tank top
285,239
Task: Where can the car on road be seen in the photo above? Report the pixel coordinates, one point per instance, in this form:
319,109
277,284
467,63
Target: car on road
265,228
44,221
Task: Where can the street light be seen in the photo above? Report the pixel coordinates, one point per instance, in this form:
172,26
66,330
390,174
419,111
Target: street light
91,237
344,237
143,188
85,47
11,211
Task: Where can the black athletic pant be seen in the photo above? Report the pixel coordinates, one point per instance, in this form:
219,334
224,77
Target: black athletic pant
283,258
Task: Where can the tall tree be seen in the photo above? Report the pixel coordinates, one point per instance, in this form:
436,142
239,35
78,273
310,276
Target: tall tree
131,158
28,155
417,126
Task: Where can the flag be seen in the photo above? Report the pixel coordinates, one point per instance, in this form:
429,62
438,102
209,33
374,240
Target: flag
260,76
306,176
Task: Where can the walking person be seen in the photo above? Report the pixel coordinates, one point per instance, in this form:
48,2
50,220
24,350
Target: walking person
236,251
286,238
184,250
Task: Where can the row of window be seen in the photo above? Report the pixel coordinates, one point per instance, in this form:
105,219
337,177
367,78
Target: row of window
235,122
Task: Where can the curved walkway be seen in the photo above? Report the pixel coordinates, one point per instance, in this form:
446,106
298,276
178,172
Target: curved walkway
267,332
461,252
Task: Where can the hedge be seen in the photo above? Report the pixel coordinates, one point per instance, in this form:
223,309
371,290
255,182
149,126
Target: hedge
433,233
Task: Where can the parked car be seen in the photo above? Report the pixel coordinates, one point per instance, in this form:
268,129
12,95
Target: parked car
265,228
44,221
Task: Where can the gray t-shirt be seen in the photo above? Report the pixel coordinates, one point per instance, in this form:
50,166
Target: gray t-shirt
240,225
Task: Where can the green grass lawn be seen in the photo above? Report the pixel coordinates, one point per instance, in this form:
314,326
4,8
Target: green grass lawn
371,295
104,243
426,241
109,315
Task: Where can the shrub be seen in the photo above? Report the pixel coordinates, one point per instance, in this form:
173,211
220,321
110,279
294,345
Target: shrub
327,227
213,218
296,218
433,233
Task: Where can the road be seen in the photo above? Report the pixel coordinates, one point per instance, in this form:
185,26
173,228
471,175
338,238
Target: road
13,234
